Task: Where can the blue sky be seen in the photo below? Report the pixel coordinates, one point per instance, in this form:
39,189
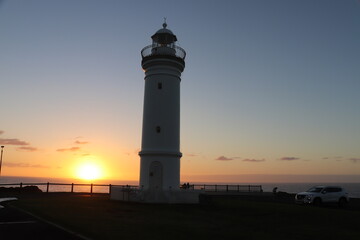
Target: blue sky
270,87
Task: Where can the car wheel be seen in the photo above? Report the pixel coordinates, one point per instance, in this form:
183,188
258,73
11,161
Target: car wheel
342,202
317,202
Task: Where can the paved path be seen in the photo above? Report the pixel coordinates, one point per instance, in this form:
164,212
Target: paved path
15,224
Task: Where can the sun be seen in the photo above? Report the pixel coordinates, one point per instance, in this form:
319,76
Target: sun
89,171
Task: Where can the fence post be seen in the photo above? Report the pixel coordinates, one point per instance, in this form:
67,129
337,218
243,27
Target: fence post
238,188
205,187
249,189
91,189
72,188
21,185
109,189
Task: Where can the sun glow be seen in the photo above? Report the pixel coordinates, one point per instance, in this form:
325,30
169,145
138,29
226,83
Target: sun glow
89,171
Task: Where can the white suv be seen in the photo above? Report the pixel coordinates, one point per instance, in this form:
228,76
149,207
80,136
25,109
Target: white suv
323,194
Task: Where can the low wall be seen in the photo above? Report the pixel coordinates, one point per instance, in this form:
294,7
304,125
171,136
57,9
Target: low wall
180,196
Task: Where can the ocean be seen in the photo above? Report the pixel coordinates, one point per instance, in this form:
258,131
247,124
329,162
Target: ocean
352,188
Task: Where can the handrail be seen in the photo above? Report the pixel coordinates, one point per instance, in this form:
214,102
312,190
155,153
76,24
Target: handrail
178,51
203,187
48,184
224,188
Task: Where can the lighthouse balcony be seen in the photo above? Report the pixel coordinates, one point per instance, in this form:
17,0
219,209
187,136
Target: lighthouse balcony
163,50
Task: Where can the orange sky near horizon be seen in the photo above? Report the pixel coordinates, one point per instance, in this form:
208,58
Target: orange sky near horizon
270,91
119,164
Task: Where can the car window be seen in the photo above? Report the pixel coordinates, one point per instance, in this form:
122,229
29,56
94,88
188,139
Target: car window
315,189
332,189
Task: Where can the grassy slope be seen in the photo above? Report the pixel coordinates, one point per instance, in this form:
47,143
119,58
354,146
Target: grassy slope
99,218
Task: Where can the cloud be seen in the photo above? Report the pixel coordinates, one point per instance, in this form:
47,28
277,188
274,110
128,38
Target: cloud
289,158
13,141
24,165
1,132
337,158
253,160
354,160
223,158
191,155
79,142
72,149
29,149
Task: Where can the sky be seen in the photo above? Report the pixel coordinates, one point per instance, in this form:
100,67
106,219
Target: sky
270,91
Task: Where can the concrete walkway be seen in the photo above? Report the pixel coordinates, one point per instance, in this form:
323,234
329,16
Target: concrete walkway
16,224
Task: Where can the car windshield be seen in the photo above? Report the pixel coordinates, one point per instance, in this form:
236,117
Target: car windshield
315,189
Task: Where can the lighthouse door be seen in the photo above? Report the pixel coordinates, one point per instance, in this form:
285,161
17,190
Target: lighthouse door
155,176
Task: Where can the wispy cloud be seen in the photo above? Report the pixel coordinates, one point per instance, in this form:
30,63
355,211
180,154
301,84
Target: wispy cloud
13,141
29,149
1,132
191,155
24,165
253,160
337,158
72,149
223,158
354,160
289,158
80,142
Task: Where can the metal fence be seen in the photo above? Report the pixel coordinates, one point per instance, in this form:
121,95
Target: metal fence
106,188
70,187
225,188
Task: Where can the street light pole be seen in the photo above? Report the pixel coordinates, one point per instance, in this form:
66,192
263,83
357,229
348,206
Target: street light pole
2,149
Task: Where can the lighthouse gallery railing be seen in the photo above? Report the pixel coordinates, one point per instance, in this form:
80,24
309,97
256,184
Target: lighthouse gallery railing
148,51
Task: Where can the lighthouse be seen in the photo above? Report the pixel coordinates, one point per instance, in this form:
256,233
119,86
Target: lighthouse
163,62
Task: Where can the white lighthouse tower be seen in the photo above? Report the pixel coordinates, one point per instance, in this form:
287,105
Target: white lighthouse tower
163,63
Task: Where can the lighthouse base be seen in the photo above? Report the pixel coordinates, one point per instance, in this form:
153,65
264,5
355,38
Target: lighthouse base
148,196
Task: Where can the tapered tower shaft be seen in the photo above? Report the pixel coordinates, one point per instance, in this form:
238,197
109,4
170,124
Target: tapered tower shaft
163,63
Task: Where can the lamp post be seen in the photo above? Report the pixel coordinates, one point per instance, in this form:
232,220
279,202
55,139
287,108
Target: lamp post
2,149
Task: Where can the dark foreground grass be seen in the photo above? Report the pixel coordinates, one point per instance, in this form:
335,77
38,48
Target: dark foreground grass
99,218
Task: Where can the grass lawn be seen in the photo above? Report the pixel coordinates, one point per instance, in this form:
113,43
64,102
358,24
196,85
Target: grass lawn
99,218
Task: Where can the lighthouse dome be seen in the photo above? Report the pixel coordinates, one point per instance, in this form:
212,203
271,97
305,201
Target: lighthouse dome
164,36
164,30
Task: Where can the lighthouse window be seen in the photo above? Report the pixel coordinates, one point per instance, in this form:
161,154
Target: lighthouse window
158,129
159,85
